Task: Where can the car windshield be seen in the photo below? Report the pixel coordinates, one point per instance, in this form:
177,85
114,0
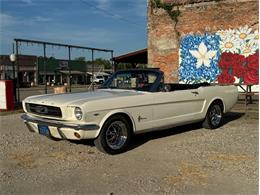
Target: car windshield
141,81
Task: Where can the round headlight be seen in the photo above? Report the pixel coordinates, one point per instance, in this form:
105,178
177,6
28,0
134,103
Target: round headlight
78,113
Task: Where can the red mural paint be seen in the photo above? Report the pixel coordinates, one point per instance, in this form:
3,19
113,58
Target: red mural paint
225,77
253,61
235,65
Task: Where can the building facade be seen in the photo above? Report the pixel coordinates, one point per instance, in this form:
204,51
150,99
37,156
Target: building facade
35,70
204,40
27,68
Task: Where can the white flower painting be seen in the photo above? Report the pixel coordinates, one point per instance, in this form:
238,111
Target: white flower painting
239,41
229,44
225,33
202,55
243,33
254,40
247,49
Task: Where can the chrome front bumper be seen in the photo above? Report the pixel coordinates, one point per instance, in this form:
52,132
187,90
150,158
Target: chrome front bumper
61,129
59,124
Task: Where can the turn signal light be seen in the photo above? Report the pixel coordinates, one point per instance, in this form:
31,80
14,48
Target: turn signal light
77,135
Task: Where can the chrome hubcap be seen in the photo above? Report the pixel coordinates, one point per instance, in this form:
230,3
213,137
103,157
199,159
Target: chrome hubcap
116,135
215,115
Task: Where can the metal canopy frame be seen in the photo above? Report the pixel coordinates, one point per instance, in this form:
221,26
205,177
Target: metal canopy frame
69,47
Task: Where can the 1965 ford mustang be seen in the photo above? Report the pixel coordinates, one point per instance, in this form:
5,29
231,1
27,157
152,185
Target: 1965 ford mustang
130,102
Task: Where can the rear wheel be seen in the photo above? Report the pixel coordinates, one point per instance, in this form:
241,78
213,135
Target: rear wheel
115,135
214,116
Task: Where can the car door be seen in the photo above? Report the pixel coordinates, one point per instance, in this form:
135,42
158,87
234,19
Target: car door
177,107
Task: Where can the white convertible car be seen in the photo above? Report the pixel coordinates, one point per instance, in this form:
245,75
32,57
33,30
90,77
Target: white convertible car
130,102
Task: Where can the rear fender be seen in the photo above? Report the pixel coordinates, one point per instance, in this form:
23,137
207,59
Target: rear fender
216,98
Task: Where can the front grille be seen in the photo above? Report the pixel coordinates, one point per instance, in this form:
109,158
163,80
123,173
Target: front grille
43,110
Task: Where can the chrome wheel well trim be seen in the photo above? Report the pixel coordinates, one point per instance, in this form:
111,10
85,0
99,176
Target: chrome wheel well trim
217,99
124,113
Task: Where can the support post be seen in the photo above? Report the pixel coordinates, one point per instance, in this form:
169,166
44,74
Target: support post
17,72
14,80
44,65
86,72
69,69
92,62
113,64
36,74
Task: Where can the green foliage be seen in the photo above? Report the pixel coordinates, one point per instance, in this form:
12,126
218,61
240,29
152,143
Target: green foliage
169,8
98,61
103,62
124,66
79,63
142,66
80,59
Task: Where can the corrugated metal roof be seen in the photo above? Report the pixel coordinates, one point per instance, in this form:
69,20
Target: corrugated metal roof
139,56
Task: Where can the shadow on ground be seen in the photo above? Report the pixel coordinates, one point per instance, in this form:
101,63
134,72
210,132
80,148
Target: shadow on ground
141,139
231,116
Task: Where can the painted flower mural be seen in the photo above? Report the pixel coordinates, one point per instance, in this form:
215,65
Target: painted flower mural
199,58
202,55
238,67
229,44
241,63
226,56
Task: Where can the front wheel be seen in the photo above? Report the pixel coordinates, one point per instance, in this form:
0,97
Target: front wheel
214,116
115,135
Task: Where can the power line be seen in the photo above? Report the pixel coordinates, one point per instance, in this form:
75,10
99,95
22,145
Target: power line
111,14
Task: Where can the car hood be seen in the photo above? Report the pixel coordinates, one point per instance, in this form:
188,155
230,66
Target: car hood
77,99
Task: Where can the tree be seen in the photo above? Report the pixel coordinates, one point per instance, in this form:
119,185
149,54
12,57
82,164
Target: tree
82,58
103,62
98,61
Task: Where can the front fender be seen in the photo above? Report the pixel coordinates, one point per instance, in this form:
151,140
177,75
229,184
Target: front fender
114,112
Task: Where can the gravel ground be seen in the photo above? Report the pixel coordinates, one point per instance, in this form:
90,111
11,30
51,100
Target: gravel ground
182,160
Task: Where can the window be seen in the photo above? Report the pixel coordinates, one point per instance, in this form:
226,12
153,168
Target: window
135,80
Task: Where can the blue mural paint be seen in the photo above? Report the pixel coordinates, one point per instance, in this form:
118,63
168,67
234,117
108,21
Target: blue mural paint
191,71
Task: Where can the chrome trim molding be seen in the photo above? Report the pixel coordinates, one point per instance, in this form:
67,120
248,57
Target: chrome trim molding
58,124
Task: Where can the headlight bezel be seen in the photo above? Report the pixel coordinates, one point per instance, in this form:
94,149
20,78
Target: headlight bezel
78,113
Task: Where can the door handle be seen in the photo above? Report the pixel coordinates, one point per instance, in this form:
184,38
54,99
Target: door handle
195,92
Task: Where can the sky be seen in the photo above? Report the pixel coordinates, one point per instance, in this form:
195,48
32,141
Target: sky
119,25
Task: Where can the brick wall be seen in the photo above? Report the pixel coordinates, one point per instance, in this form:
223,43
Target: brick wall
198,18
